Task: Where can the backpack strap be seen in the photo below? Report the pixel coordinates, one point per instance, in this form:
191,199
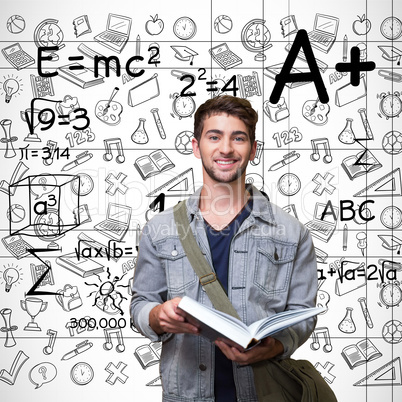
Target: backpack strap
207,277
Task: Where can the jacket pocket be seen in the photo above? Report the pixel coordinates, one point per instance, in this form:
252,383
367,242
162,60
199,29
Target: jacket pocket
179,273
273,266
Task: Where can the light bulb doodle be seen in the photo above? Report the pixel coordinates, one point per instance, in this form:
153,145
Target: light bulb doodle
10,275
11,87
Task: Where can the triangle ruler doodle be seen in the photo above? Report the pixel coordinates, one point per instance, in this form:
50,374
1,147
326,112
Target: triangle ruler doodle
388,374
180,186
156,382
386,186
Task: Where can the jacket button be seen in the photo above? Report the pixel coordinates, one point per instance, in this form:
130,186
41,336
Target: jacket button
202,367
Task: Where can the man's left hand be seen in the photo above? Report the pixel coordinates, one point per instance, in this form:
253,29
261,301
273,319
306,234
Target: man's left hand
267,349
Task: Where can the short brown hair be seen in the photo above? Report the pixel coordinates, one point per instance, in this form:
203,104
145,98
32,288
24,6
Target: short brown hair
230,105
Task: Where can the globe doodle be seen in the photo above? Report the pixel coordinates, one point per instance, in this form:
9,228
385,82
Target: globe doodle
49,34
255,37
183,142
392,142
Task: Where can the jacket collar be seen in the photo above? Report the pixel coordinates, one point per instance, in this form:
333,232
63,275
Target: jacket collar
262,207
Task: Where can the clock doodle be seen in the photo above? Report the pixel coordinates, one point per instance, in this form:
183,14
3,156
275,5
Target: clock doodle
183,106
184,28
289,184
391,217
391,28
82,373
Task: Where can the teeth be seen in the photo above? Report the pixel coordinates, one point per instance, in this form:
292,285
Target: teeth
225,162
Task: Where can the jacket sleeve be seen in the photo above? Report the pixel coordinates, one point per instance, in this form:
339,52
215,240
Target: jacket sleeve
149,287
303,282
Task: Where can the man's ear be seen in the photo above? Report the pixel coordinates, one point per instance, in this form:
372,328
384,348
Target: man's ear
196,148
253,150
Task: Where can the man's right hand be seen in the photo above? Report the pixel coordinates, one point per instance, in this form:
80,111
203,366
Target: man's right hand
167,317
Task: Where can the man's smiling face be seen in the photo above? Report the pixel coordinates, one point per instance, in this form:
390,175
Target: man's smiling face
224,148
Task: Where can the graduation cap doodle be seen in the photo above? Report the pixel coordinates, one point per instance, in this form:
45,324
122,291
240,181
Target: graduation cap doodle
391,242
184,53
391,53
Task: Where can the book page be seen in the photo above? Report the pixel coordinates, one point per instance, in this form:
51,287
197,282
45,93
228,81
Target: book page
368,349
160,159
353,355
146,166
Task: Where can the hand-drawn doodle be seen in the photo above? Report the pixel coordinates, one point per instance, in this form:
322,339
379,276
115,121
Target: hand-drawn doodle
224,57
109,111
82,373
15,24
391,242
180,186
392,142
158,122
140,135
37,270
154,26
365,311
33,306
8,328
323,183
183,106
48,349
16,245
323,225
391,294
257,157
149,354
288,25
324,32
41,86
360,353
362,25
108,345
183,142
79,75
81,26
108,155
80,348
386,186
154,163
184,28
325,371
289,184
361,164
315,144
117,221
9,377
347,325
49,34
68,298
117,32
255,37
184,53
83,266
11,86
391,28
278,111
391,217
388,374
17,57
315,345
392,331
316,112
144,91
116,373
15,213
116,183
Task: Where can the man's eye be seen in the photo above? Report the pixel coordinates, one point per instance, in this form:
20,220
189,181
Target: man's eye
213,137
240,139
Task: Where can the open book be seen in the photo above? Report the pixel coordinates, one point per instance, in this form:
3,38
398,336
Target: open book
362,163
152,164
148,355
364,351
214,324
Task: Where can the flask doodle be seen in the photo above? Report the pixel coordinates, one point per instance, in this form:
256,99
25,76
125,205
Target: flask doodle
42,373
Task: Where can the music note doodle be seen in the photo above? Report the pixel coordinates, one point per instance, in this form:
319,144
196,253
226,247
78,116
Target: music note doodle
47,350
108,156
315,156
108,345
315,345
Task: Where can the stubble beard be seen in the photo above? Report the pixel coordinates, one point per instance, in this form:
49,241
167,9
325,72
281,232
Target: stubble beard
224,179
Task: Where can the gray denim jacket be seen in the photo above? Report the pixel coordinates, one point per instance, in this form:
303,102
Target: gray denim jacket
272,268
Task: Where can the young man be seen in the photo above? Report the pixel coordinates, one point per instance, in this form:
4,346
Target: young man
263,257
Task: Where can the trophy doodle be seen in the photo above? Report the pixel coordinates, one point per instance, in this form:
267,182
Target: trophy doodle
33,306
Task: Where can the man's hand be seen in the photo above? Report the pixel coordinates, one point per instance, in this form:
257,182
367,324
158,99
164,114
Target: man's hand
168,318
267,349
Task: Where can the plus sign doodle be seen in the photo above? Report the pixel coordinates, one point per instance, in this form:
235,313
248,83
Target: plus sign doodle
116,183
355,66
116,373
325,371
323,183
